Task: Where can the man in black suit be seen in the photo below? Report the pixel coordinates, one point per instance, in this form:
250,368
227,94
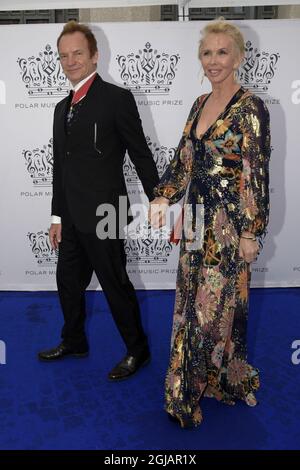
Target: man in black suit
93,128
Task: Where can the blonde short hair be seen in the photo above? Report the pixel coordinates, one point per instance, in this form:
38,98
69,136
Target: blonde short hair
220,25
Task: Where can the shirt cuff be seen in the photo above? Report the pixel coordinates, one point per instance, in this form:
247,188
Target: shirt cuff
55,219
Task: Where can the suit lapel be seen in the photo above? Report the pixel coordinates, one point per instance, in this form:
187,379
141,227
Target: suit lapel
61,116
89,108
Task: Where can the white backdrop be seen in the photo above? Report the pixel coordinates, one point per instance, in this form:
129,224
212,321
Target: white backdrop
158,61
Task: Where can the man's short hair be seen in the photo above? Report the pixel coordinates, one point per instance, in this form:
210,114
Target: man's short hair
74,27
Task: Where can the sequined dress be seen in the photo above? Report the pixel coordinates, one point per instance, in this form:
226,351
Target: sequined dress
226,174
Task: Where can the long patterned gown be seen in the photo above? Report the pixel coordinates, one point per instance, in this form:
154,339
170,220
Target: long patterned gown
226,173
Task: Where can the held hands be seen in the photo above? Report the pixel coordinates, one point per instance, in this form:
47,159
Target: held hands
248,247
157,212
55,235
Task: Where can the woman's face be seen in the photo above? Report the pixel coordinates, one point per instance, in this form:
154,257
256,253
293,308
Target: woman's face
219,57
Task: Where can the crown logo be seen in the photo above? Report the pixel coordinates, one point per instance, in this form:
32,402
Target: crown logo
129,171
147,71
41,248
39,164
43,75
257,69
162,156
143,249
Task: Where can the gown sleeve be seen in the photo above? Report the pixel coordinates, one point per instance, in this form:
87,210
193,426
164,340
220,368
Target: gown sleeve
254,184
175,180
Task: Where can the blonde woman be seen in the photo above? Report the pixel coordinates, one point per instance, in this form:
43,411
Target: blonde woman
221,165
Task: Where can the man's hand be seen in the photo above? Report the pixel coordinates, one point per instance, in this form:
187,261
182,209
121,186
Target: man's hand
55,235
157,212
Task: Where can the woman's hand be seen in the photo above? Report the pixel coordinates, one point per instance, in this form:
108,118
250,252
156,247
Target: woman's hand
248,247
157,212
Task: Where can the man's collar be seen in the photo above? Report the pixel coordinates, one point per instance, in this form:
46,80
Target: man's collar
79,85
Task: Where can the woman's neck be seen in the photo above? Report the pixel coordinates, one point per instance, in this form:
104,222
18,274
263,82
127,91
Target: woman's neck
223,92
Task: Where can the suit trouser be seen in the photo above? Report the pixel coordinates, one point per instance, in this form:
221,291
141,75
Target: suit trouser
79,255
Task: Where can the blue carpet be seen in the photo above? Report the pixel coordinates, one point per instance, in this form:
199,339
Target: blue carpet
71,404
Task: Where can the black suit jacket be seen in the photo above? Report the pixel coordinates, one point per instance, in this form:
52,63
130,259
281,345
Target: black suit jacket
89,154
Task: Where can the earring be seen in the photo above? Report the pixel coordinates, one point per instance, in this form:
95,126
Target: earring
235,75
202,77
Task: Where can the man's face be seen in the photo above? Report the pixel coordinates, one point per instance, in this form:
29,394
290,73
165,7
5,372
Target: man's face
75,57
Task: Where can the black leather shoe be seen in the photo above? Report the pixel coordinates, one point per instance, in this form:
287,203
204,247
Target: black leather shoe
60,352
128,366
